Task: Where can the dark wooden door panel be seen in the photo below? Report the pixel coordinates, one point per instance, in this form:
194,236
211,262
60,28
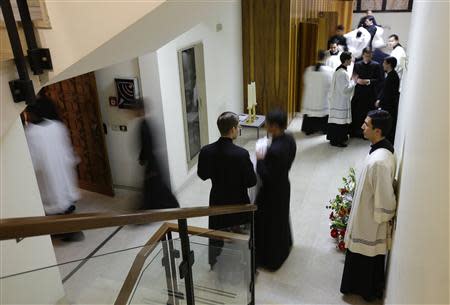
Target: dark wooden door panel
77,102
308,32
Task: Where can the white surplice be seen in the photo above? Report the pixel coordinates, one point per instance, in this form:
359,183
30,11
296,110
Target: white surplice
54,164
357,44
341,92
315,91
333,61
374,204
399,53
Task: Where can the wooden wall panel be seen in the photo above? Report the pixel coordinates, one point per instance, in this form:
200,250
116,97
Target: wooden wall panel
266,31
307,36
328,22
274,55
344,8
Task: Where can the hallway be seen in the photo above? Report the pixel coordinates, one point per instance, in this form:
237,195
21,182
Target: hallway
312,273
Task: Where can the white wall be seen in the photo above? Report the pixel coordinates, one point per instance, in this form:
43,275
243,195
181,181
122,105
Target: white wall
223,74
399,23
419,265
122,146
155,29
79,27
20,198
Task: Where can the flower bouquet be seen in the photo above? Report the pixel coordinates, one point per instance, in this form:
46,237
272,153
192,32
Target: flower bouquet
340,207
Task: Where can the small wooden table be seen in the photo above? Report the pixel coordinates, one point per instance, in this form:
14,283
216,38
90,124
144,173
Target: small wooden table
257,123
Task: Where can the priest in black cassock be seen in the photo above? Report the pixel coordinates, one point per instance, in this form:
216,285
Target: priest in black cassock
390,94
273,230
231,172
362,21
371,27
369,75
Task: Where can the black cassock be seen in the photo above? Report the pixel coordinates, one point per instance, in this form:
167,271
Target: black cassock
365,95
231,172
156,193
389,97
273,230
362,22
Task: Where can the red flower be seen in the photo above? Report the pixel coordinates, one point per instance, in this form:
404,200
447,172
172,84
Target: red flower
334,233
343,191
341,246
342,233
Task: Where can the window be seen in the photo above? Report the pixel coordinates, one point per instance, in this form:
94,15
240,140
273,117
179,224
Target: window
382,5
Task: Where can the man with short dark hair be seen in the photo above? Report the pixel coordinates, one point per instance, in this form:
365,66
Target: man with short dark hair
370,26
369,76
231,172
273,230
341,90
399,53
362,21
333,60
339,38
367,237
390,95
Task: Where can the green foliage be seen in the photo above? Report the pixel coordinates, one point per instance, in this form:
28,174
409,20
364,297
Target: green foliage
340,208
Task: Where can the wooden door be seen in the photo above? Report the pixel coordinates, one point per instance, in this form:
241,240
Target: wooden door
308,37
77,102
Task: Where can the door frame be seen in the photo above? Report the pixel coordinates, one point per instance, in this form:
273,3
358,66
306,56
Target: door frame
202,101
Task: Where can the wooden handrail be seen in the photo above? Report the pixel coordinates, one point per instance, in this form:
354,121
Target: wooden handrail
138,264
13,228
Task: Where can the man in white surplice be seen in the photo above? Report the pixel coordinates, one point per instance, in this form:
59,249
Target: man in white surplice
400,54
341,92
316,86
333,60
374,205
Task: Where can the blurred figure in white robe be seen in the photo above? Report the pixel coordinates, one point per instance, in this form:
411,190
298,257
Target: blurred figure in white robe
53,157
316,87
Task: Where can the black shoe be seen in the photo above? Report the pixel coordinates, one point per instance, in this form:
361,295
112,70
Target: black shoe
76,236
70,209
369,299
338,144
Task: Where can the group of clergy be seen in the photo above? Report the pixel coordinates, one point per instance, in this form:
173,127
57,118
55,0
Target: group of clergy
353,77
232,173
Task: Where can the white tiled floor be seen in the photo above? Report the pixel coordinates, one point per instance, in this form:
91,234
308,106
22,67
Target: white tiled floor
311,274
